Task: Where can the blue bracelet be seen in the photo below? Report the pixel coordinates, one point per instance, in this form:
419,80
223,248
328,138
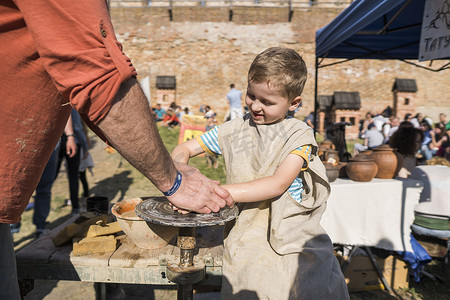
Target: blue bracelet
175,186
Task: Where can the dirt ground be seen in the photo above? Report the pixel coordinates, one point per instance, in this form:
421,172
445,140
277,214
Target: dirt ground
113,177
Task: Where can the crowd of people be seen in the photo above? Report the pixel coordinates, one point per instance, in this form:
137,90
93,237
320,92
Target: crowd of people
416,137
170,117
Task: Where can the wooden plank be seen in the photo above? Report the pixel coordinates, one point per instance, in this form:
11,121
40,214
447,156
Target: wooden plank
40,250
130,256
96,260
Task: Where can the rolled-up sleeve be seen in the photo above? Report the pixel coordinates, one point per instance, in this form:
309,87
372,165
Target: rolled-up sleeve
80,52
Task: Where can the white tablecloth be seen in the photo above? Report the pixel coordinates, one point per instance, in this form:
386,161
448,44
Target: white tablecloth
377,213
435,197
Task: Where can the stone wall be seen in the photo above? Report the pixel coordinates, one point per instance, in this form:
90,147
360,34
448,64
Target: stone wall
206,52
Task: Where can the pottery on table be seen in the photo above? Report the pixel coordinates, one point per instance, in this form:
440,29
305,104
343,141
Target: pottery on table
143,234
327,144
386,161
361,168
331,154
341,167
367,152
321,152
332,171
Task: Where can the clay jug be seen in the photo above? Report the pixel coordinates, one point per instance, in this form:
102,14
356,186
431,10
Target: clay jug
341,168
331,154
386,161
327,144
321,152
361,168
332,171
367,152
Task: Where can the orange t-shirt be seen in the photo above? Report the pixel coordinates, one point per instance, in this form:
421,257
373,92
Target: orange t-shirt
52,52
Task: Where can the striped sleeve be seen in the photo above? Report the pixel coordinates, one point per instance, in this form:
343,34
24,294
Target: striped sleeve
305,153
296,189
209,141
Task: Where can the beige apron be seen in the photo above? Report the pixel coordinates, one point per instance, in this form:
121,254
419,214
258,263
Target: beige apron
276,249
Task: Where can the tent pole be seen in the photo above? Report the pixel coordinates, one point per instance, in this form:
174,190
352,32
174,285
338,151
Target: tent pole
315,96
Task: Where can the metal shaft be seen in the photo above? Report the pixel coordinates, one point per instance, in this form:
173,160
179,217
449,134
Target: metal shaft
186,242
185,292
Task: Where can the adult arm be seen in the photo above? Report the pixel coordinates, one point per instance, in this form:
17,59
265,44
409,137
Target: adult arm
71,145
77,47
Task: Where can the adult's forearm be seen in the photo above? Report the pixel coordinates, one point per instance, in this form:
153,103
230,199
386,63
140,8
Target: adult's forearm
130,128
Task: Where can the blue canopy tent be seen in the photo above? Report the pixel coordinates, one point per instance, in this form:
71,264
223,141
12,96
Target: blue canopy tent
373,29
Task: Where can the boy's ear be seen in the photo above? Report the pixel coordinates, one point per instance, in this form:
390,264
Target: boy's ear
295,103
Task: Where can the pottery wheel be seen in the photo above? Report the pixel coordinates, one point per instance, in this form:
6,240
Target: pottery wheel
159,211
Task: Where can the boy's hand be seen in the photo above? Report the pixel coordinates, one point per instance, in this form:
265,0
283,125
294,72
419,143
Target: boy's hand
199,193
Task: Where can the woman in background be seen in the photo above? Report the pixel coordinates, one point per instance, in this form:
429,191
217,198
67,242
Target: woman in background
407,140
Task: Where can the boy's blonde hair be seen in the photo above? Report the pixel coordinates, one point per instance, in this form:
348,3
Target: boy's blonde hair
282,69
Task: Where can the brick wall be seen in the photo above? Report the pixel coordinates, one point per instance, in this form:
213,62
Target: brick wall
206,52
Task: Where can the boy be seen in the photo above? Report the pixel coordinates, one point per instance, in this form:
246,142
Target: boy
276,249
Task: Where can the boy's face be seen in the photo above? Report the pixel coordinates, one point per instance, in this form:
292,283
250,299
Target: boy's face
267,105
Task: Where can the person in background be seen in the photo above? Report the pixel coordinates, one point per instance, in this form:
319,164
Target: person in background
170,120
202,109
372,139
407,140
442,121
159,112
61,55
408,117
209,113
186,111
379,121
438,138
364,124
426,148
86,163
393,128
270,162
309,120
73,161
442,144
417,120
211,160
234,98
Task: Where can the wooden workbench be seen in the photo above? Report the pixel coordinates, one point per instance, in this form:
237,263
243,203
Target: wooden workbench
128,264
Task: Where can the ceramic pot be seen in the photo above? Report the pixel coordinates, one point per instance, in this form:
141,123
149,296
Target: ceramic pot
361,168
321,152
144,235
341,167
332,171
331,154
367,152
327,144
386,161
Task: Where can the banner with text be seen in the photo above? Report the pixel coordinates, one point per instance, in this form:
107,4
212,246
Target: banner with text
435,36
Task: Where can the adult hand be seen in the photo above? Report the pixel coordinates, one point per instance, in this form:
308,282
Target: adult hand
71,146
199,193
